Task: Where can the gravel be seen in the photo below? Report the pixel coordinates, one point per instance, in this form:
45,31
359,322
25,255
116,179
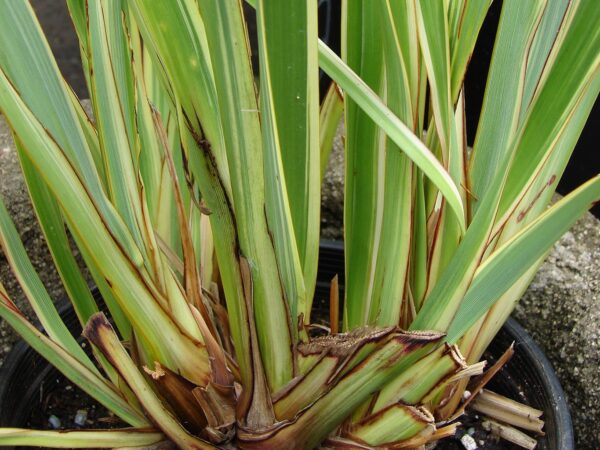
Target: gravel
560,310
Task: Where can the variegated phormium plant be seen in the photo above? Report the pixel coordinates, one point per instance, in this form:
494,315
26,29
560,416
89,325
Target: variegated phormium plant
194,198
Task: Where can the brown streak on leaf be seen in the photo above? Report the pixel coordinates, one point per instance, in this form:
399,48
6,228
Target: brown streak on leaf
218,404
260,414
9,303
191,276
220,372
524,212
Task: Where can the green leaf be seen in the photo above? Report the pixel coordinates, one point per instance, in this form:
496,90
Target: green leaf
573,65
465,24
113,97
503,94
26,60
392,424
289,53
444,298
537,193
394,128
310,385
242,133
364,171
446,234
534,201
419,250
190,70
332,109
416,382
506,265
112,93
476,340
35,291
130,437
404,16
130,284
395,227
545,39
78,16
278,201
352,389
52,225
433,29
50,220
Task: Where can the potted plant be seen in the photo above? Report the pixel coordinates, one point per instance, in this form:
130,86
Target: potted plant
194,201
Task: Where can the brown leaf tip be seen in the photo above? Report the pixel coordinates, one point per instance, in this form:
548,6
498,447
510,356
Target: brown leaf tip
95,324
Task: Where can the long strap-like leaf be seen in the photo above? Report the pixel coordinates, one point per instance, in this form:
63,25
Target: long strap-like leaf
34,289
395,129
241,127
364,161
131,437
127,281
288,51
276,137
27,61
515,257
189,70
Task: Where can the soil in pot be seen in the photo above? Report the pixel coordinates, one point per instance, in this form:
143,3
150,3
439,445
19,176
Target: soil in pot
472,426
64,406
57,404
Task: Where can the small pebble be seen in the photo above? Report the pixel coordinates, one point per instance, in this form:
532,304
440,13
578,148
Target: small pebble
80,417
468,442
54,422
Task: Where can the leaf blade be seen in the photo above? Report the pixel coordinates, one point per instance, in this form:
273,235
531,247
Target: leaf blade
510,261
397,131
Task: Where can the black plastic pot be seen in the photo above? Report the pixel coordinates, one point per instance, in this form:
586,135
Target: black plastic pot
25,374
528,377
